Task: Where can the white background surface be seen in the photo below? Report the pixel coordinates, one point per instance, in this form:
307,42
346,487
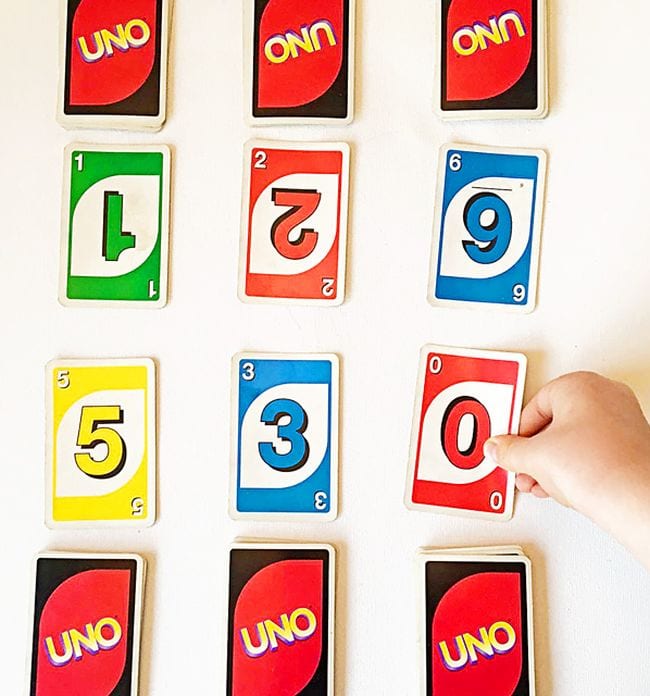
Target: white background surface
591,599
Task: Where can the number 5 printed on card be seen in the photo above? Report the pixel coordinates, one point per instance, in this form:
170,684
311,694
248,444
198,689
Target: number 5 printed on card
101,444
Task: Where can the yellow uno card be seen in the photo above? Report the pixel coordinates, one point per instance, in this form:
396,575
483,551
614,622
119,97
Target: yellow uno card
101,443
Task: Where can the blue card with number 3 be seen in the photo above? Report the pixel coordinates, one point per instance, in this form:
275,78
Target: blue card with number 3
488,227
284,461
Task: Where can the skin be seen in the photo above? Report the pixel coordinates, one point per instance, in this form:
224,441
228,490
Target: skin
585,442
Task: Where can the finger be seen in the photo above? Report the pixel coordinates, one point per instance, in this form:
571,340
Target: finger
512,453
539,492
537,413
525,483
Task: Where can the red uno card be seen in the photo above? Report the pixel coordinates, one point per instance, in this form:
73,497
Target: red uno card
86,627
301,61
463,398
491,59
476,627
294,223
281,620
113,63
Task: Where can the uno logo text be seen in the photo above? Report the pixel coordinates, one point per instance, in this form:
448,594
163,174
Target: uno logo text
469,39
133,34
279,48
300,625
104,635
499,639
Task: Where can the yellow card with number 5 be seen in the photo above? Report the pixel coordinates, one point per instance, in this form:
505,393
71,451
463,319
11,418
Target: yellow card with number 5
101,443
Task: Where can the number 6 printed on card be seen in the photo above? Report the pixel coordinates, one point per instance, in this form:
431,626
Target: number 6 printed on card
101,445
294,223
464,397
487,228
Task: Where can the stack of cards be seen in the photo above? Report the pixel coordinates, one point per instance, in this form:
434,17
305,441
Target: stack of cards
491,59
299,61
475,622
281,619
113,65
86,624
463,398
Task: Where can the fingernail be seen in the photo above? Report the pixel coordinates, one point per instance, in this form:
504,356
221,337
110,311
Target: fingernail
490,450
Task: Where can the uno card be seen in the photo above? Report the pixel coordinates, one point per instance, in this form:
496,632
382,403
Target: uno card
86,624
463,398
281,620
285,421
294,223
491,59
300,61
476,625
113,64
101,443
115,226
487,227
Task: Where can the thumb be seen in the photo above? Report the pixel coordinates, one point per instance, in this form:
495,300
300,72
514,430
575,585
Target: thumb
510,452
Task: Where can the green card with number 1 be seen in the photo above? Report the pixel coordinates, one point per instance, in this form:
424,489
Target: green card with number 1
115,232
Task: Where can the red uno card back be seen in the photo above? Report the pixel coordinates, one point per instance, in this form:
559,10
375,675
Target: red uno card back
278,641
84,636
301,59
113,57
490,55
464,398
477,629
295,223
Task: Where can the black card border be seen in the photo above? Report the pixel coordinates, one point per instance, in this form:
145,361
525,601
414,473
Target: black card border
333,104
458,570
257,558
64,568
146,101
517,98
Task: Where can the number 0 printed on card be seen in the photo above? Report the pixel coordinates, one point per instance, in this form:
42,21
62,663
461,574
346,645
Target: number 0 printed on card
101,445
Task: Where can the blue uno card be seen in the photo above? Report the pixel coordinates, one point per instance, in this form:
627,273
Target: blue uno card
488,227
284,460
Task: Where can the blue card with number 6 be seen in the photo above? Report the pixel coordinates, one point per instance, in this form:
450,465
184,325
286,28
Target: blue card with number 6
487,227
284,460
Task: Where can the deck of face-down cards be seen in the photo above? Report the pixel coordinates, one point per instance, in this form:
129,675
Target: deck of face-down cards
299,61
487,228
294,223
463,398
113,65
281,619
101,443
490,59
86,624
115,226
285,424
475,617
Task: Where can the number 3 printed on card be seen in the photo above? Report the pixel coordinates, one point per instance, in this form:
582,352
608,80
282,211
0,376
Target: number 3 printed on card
285,436
101,443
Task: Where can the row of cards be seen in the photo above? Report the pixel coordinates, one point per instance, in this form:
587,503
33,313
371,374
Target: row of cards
490,61
101,437
88,609
294,222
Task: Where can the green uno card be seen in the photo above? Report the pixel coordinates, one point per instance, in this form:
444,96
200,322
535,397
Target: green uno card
115,233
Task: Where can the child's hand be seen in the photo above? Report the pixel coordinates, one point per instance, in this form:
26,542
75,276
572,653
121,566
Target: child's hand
585,442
